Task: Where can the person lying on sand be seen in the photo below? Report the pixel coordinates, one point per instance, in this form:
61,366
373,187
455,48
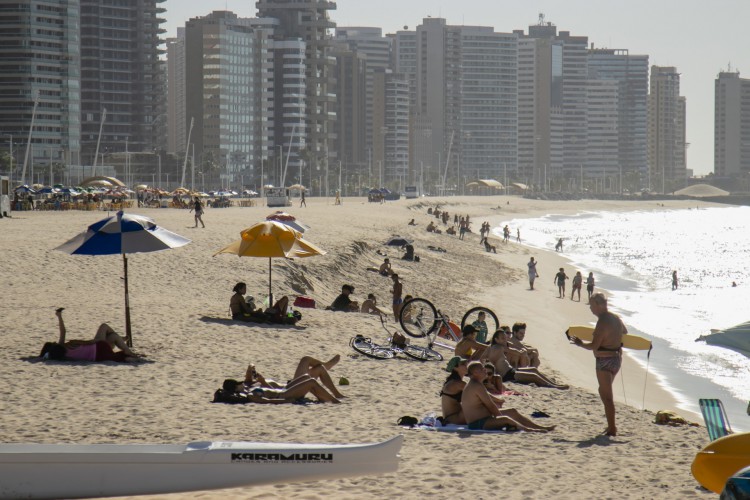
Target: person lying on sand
244,310
343,302
101,348
233,391
481,410
412,223
307,368
496,356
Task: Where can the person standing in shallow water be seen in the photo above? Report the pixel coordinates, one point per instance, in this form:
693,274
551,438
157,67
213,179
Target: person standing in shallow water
590,282
607,348
674,280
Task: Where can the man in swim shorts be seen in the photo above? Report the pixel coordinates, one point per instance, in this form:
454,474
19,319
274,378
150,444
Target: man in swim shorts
607,347
482,411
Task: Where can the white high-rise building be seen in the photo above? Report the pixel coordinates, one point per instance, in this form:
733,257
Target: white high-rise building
552,95
630,75
464,115
731,125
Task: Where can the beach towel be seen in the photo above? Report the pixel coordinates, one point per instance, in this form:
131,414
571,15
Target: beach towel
460,428
303,301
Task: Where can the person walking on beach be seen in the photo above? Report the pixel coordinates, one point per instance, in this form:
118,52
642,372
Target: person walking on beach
532,272
559,246
560,278
674,280
302,199
607,348
590,282
518,235
577,281
198,207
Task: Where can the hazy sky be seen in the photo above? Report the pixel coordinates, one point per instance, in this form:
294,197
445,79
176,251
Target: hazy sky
698,37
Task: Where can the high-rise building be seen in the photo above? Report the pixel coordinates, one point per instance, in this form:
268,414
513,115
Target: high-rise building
121,73
350,87
464,115
666,130
227,70
39,63
731,125
391,124
552,94
176,103
307,21
371,44
629,73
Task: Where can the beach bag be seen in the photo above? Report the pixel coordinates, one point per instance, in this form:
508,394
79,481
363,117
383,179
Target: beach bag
408,421
303,301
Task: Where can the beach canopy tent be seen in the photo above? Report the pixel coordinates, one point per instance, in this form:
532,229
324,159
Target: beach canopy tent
271,239
123,234
297,187
374,191
484,183
736,338
288,220
100,180
24,189
398,241
701,191
519,186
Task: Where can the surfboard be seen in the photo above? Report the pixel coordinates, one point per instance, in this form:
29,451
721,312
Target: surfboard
107,470
720,460
629,341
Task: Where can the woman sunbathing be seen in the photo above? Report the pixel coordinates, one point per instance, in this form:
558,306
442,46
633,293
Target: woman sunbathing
236,392
307,368
101,348
450,394
468,347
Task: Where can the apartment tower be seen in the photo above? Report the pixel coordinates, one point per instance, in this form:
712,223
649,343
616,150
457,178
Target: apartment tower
731,125
666,130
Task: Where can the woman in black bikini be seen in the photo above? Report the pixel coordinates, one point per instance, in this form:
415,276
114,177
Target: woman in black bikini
450,395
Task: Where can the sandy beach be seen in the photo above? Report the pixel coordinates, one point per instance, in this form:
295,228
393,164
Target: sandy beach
179,300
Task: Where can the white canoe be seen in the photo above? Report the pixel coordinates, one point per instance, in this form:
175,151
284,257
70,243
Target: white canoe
103,470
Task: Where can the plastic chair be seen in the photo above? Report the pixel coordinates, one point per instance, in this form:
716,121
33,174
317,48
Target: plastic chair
717,422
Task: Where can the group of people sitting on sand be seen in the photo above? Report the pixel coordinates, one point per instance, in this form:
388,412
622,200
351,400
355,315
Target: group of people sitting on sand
244,309
505,358
311,378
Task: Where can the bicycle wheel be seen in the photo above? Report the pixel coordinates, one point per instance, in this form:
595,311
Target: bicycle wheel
365,346
493,324
422,353
418,317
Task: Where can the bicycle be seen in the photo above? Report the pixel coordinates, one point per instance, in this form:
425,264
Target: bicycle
365,345
419,318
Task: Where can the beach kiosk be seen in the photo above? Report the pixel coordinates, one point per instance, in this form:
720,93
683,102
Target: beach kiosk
278,197
4,196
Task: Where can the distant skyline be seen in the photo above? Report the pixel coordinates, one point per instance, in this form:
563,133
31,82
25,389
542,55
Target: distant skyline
699,38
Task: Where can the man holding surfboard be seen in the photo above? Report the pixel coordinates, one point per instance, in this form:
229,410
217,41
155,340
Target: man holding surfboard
607,347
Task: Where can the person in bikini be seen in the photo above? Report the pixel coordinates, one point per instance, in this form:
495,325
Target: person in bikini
607,348
238,393
482,411
308,368
468,347
101,348
450,394
398,289
496,355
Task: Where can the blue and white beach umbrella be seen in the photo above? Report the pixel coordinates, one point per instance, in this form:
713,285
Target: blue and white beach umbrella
123,234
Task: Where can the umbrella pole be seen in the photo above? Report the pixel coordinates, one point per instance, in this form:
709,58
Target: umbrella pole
128,331
270,294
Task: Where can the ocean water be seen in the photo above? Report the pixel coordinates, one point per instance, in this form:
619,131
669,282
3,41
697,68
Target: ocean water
632,256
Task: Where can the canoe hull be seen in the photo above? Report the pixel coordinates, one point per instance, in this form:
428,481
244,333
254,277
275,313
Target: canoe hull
88,471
